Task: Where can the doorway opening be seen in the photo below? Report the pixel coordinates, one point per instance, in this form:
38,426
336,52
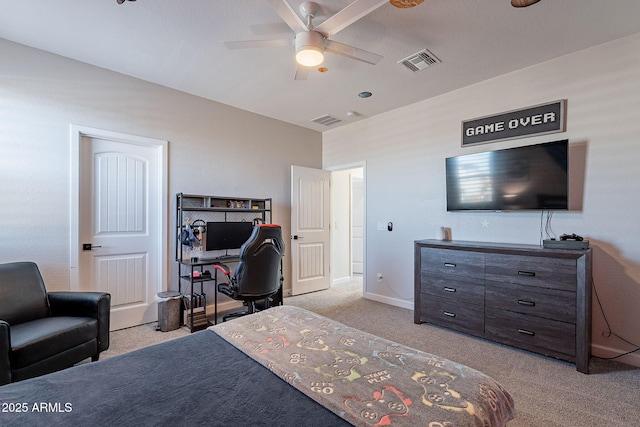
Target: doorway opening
348,227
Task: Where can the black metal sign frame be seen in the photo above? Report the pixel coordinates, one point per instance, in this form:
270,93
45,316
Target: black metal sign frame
536,120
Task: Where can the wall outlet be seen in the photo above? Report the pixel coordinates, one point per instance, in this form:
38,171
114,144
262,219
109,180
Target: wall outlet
380,277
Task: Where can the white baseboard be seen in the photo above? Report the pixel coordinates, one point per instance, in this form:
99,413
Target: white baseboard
341,281
391,301
632,359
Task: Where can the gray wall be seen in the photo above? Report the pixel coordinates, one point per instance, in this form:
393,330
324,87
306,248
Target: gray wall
213,149
405,150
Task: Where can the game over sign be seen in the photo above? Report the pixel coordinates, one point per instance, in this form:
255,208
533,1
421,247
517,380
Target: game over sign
536,120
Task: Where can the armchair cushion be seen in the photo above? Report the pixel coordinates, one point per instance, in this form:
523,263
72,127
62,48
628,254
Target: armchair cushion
43,338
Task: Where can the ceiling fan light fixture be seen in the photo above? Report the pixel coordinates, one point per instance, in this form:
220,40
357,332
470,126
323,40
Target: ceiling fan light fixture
309,48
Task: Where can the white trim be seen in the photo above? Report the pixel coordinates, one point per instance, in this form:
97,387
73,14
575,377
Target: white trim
632,359
162,147
388,300
341,281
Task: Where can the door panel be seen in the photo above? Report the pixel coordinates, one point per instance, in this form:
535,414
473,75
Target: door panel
357,225
309,229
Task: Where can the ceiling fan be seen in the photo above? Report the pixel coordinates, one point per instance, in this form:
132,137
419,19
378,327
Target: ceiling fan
523,3
311,42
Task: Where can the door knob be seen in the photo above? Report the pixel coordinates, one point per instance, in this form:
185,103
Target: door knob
89,246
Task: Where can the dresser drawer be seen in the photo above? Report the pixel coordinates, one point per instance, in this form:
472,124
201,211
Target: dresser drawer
540,302
554,273
544,336
461,289
449,262
463,317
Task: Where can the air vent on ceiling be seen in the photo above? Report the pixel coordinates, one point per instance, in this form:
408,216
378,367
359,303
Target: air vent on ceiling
327,120
419,61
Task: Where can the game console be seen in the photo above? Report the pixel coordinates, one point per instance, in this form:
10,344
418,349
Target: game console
567,241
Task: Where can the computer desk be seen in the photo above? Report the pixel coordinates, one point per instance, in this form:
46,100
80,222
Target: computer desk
200,321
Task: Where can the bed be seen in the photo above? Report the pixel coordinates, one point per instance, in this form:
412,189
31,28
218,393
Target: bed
283,366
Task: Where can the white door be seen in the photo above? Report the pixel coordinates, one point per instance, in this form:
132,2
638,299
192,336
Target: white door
357,225
309,230
120,223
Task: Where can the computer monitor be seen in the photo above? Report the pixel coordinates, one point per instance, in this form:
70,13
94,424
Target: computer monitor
227,235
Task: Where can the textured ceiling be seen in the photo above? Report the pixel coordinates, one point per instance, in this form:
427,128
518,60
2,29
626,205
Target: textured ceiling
178,44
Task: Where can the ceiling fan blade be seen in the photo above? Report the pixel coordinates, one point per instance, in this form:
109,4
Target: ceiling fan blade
348,16
288,15
301,72
248,44
352,52
523,3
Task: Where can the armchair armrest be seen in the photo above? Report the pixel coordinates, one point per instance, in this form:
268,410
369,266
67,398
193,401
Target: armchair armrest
5,350
224,268
226,288
96,305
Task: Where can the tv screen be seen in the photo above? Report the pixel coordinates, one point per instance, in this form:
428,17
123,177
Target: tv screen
533,177
227,235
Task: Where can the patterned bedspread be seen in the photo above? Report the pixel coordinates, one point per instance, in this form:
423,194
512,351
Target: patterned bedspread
366,379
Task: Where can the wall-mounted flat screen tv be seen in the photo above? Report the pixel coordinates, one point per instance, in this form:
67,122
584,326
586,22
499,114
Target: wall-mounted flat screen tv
227,235
533,177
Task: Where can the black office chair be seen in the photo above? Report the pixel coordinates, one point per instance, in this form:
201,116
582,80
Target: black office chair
43,332
258,275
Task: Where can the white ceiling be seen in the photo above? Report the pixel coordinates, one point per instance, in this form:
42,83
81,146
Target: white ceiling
178,44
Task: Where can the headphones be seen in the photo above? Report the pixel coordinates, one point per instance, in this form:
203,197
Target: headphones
198,226
190,235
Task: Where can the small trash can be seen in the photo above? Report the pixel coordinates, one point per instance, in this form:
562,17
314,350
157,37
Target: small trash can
168,311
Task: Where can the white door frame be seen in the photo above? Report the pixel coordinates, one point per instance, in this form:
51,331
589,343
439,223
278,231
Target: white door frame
363,165
77,132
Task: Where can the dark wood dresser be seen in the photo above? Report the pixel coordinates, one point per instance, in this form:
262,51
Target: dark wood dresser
522,295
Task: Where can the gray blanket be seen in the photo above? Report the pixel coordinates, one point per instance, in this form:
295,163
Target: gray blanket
364,378
198,380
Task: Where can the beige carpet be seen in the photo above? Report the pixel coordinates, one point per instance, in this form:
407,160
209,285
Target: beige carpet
547,392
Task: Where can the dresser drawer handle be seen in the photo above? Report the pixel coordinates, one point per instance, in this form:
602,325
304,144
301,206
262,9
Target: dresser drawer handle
449,264
450,314
527,303
526,273
448,289
526,332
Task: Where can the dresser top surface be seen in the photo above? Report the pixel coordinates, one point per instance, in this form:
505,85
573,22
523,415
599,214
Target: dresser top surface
514,248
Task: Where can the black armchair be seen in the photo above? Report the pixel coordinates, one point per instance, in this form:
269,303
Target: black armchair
258,275
44,332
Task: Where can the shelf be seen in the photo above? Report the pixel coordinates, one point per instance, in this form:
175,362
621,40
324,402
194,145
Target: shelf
203,278
216,209
192,207
193,202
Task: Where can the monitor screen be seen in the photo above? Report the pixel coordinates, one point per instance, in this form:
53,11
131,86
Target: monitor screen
529,177
227,235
